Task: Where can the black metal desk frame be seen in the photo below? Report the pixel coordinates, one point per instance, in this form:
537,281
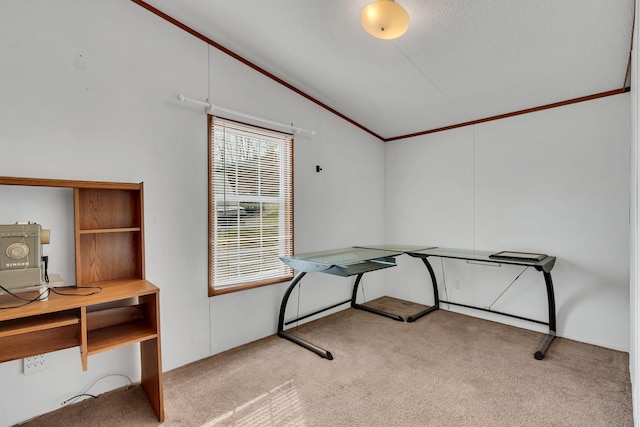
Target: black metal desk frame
372,258
544,265
344,262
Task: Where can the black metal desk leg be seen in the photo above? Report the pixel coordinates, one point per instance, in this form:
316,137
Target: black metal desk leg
436,297
369,309
551,300
281,332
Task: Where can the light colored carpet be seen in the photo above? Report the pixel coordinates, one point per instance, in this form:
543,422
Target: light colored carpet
445,369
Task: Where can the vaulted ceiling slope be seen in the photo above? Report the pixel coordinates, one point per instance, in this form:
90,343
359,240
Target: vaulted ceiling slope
460,61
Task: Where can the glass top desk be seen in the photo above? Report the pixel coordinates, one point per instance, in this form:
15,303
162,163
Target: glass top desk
344,262
362,259
354,261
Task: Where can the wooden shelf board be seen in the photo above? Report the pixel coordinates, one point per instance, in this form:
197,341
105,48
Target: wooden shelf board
117,336
38,323
109,230
111,291
114,316
38,342
68,183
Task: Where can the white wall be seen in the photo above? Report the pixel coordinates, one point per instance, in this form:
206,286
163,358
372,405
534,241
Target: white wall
89,92
554,181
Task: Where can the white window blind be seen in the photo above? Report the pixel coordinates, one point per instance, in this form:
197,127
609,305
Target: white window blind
250,205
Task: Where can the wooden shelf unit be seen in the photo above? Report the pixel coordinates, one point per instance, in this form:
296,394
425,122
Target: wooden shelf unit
109,234
38,334
116,307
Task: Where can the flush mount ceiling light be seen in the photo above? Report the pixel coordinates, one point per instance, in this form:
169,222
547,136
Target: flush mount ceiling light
385,19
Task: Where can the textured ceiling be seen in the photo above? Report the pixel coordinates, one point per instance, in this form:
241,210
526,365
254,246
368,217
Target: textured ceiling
460,60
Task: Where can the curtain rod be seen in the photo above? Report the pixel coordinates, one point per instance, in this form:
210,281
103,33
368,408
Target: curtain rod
212,108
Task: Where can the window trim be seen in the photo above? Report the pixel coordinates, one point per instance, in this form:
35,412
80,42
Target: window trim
212,290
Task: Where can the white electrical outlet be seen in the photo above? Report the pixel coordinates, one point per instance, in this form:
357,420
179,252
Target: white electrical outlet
457,284
34,364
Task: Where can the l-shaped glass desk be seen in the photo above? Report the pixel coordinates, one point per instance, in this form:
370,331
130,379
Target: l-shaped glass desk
358,260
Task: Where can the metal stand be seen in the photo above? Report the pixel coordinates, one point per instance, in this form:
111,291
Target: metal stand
551,302
436,297
370,309
546,271
281,332
306,344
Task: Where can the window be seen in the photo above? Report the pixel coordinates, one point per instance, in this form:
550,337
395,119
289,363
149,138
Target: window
250,206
